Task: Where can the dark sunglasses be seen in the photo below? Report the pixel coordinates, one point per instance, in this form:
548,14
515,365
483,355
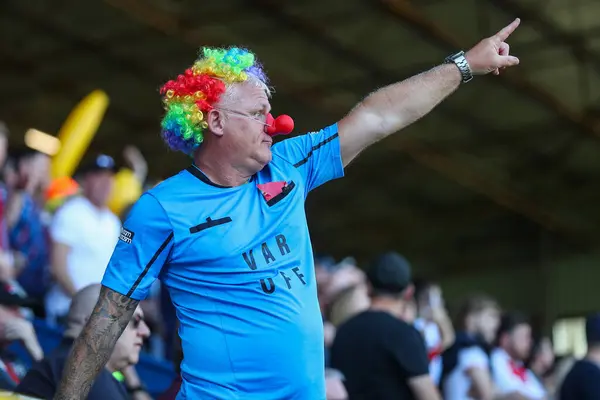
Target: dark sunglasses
136,321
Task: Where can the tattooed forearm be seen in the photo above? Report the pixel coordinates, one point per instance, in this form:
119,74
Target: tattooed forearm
93,347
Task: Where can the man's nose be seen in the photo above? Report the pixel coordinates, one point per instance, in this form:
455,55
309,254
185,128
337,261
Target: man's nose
268,122
143,330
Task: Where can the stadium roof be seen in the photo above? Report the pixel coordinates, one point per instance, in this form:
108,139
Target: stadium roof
502,174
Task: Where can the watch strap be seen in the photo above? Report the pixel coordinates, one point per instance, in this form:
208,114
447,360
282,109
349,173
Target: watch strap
462,64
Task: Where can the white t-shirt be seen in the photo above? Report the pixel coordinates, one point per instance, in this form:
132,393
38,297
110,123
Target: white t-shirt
458,384
511,376
433,341
91,234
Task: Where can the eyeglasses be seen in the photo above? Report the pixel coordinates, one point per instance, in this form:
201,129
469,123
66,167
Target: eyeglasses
136,321
241,114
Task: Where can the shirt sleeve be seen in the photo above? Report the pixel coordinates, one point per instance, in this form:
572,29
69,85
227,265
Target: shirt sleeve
143,249
317,156
503,377
473,357
408,349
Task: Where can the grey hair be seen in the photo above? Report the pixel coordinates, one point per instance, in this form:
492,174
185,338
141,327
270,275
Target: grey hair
230,94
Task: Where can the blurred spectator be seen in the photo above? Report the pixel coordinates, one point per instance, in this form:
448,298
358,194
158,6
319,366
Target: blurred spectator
4,132
434,324
84,233
583,381
13,324
328,335
128,182
169,319
466,364
509,373
13,327
334,385
541,361
136,161
562,366
323,270
409,315
28,234
380,355
58,192
42,379
7,258
154,319
171,392
348,303
342,276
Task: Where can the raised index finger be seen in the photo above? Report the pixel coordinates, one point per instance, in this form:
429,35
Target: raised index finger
507,30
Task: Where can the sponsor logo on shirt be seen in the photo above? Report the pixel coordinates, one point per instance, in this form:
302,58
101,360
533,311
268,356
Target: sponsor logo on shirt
126,235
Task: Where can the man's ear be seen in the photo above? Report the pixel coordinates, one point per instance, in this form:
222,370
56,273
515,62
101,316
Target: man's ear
216,122
409,292
370,289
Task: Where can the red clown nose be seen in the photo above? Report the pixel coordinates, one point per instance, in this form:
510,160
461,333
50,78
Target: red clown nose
282,125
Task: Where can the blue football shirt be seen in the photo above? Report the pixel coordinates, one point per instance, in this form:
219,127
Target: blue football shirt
239,269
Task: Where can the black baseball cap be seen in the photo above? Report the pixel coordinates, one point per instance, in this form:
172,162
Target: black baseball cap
100,162
389,273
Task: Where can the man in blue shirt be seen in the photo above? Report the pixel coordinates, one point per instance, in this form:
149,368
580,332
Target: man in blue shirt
228,236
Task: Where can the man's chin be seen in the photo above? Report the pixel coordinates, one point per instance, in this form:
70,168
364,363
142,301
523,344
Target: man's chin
266,156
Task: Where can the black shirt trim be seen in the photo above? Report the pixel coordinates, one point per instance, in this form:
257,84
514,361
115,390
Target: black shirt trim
315,147
152,260
192,169
284,192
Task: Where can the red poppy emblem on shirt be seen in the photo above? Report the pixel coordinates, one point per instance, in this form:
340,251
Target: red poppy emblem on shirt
271,189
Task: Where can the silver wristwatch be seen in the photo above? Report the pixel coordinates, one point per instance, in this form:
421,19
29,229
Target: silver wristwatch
463,66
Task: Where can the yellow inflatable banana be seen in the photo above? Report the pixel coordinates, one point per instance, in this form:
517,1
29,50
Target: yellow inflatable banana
126,190
77,132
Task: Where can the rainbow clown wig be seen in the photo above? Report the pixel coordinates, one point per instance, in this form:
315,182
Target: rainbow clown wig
188,98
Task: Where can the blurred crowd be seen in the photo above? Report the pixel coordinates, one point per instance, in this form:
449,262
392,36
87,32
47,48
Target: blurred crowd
56,237
388,335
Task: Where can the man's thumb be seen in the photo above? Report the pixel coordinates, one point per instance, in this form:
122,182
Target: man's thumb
509,61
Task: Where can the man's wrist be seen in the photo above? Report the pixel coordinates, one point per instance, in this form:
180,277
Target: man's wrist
460,61
451,70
